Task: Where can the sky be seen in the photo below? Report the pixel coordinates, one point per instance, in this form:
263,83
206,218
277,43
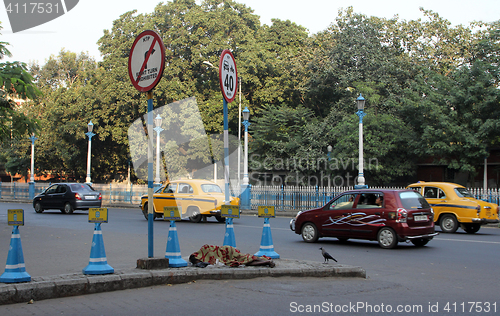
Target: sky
79,29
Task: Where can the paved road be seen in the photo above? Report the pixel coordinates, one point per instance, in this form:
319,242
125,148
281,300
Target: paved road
453,268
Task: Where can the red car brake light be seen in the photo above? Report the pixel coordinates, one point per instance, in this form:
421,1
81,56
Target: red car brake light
401,216
77,196
100,196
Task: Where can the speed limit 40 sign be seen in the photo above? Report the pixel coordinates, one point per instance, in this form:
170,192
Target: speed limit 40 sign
228,75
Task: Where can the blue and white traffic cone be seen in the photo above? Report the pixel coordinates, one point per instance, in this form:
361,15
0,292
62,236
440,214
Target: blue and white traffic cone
98,264
15,270
173,252
266,243
229,239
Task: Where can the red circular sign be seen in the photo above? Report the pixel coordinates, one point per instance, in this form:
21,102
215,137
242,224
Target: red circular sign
228,75
146,61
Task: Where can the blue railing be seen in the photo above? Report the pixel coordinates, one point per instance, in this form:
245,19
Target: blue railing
284,198
295,198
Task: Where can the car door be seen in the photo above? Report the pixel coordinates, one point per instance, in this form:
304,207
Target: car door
48,200
335,220
165,198
436,199
184,197
366,217
60,197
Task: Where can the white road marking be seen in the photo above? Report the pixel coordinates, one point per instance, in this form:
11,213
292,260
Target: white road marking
463,240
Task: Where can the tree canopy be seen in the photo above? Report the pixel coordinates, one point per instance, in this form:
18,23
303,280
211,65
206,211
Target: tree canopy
431,92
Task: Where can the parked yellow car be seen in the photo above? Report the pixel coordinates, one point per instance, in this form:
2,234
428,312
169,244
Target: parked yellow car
196,199
453,205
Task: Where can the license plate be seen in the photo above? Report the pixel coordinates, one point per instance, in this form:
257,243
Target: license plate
90,197
420,218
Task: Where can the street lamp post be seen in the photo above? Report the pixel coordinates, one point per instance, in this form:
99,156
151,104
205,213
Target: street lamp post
245,187
361,178
31,188
89,133
158,130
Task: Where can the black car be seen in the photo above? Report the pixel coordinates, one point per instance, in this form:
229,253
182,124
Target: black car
67,197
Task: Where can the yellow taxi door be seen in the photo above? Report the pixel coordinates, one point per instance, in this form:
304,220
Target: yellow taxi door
165,198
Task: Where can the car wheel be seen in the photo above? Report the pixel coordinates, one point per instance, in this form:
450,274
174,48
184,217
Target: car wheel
309,232
145,211
220,219
68,209
471,228
38,207
195,215
448,223
387,238
420,242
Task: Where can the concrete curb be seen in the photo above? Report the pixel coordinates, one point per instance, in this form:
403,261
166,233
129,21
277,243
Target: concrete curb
41,288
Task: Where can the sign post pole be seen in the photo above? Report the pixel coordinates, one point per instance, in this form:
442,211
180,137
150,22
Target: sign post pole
228,79
145,68
150,177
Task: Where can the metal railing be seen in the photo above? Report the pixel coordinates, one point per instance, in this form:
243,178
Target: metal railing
283,198
296,198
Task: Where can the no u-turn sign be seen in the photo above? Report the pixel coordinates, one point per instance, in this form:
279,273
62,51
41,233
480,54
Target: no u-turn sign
146,61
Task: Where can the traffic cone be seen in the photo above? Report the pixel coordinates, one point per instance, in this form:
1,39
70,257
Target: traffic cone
15,270
266,243
98,264
173,252
229,239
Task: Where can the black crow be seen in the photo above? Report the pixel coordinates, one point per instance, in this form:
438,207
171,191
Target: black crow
326,255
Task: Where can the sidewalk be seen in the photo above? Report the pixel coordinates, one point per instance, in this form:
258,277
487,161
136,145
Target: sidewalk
41,288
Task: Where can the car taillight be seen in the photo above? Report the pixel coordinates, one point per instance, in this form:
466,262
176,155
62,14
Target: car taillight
77,196
401,216
478,210
100,196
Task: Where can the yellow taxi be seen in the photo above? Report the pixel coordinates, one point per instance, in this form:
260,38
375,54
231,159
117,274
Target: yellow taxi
196,200
454,206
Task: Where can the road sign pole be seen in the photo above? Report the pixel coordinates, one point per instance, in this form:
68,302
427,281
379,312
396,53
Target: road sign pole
150,176
226,157
226,151
145,68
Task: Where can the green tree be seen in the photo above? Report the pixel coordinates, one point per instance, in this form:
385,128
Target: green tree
16,83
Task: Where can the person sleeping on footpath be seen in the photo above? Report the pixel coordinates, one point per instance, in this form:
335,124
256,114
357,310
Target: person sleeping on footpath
230,256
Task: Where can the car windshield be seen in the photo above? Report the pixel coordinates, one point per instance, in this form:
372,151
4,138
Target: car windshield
462,192
81,187
413,200
210,188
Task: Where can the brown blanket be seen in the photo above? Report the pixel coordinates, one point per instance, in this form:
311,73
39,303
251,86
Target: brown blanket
228,255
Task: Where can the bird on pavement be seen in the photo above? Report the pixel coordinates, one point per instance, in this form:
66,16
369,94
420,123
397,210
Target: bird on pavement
326,255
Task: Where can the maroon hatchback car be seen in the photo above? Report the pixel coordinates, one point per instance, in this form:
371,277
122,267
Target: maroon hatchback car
388,216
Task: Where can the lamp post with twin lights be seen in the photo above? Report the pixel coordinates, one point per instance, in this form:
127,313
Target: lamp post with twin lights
245,187
90,127
31,188
158,130
361,178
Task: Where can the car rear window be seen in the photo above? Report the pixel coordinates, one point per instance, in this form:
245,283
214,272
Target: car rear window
413,200
208,188
80,187
462,192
